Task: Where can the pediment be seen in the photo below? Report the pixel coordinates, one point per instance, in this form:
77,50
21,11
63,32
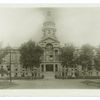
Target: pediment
49,40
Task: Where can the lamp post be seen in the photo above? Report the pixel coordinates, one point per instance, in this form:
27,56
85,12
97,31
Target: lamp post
10,76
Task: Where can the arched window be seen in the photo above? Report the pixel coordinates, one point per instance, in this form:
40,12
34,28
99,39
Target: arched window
49,46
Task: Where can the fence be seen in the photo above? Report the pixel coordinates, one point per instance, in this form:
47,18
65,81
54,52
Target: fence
76,74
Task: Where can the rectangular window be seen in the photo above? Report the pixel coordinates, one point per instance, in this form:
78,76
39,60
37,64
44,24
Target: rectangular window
56,67
51,56
42,68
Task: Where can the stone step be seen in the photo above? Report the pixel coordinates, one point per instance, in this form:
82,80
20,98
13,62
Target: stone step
49,75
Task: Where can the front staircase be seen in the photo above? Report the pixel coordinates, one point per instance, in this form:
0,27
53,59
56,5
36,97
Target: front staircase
49,75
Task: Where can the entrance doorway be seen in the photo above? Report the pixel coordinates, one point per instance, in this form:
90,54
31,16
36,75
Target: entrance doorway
49,67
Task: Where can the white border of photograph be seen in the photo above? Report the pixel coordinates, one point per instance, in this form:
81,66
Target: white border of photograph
49,92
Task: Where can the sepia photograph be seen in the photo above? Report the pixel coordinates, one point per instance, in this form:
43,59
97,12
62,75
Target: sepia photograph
49,47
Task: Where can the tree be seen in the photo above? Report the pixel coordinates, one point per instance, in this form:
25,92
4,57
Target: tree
97,58
86,57
30,54
67,56
3,53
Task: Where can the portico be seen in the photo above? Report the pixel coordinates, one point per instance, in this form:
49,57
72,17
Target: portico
49,67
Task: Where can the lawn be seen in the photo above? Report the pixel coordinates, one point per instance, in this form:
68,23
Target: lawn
51,84
4,84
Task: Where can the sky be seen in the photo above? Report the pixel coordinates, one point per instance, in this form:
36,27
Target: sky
77,25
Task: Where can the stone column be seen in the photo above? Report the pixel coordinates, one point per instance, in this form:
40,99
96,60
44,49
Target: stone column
59,67
53,67
44,54
54,55
44,67
40,68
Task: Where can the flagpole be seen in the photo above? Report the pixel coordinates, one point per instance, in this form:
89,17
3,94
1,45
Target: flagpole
10,65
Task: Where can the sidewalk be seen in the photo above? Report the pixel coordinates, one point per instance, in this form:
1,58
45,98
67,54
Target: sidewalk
92,82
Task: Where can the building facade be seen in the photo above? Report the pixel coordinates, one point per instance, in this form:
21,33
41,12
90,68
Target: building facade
12,58
50,62
51,47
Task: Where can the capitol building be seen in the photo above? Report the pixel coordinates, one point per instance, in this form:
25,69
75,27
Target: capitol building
50,61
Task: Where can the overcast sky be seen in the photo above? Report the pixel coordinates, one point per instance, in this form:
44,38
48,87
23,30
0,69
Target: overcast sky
78,25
